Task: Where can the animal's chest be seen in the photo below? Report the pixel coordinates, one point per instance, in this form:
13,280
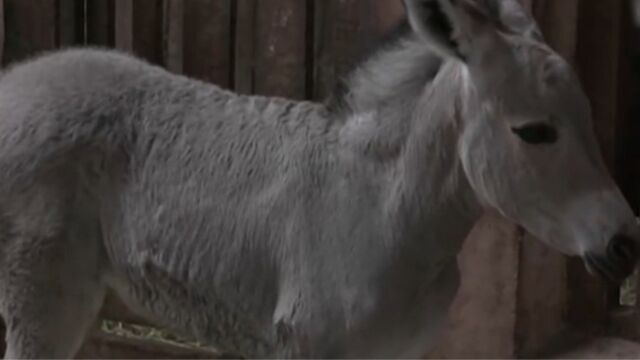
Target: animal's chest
400,321
409,326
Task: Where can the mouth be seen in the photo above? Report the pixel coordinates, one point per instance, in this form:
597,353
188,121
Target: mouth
616,272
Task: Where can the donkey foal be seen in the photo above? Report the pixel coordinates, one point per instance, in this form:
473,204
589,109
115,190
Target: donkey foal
276,228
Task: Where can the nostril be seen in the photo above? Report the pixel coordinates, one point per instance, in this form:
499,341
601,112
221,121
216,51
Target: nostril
623,247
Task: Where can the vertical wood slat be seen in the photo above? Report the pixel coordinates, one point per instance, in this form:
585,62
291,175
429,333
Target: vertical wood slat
280,48
344,29
100,22
208,40
558,21
30,27
627,147
123,18
2,32
340,35
2,43
70,23
174,35
597,54
244,47
139,28
628,129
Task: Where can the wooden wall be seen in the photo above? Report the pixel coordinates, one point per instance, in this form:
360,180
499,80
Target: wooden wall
517,295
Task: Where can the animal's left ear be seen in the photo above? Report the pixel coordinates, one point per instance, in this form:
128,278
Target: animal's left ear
449,26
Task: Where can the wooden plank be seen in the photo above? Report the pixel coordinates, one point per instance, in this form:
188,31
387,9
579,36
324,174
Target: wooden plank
627,149
208,40
340,35
344,31
174,35
70,23
280,48
628,129
598,52
244,47
148,30
387,14
99,26
30,27
597,55
123,18
2,31
139,28
558,20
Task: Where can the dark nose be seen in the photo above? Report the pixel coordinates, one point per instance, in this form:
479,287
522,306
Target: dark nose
623,251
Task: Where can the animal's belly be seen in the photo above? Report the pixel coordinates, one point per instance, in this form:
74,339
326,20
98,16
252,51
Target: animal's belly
412,331
197,314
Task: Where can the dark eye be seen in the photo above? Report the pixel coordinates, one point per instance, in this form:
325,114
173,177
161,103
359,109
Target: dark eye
537,133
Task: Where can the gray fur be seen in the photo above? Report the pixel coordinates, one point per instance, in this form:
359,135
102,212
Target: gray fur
276,228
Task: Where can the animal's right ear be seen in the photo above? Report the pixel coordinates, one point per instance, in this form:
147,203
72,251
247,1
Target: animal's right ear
448,26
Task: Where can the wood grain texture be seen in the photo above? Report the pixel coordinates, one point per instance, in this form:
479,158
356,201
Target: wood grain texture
123,28
344,31
174,35
628,128
2,31
70,23
30,27
280,48
208,41
244,46
598,52
558,20
139,28
100,22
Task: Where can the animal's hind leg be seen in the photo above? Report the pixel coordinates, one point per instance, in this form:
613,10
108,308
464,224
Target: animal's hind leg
50,280
51,299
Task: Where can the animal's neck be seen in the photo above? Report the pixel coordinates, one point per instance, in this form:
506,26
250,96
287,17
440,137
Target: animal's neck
405,118
431,182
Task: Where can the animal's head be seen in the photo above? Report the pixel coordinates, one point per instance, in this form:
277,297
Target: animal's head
527,144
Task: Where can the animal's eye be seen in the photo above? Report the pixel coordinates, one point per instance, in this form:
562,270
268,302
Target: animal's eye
537,133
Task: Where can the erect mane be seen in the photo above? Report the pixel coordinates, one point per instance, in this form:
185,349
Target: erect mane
337,102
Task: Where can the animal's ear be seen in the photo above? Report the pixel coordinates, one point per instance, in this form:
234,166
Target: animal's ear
518,20
448,26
